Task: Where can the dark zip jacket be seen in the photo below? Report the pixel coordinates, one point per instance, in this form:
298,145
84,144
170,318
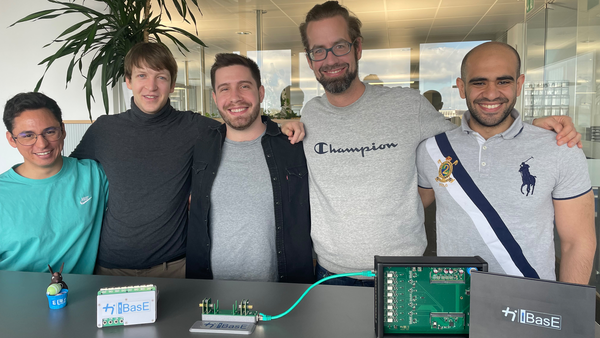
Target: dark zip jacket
289,177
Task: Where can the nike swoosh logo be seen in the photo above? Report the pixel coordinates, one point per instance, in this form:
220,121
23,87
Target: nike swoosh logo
85,199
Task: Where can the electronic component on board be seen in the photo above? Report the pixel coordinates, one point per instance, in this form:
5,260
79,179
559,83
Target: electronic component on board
239,320
240,312
423,296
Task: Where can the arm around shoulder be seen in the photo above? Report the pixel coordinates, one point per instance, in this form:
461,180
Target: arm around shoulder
425,189
427,196
431,121
86,149
294,131
208,121
564,128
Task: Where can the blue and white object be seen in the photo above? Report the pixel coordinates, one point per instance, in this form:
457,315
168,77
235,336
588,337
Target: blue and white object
127,305
59,300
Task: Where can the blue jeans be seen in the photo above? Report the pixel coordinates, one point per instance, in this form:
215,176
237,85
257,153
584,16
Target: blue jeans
321,273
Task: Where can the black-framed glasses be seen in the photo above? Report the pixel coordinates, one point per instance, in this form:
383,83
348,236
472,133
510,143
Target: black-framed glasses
28,138
340,49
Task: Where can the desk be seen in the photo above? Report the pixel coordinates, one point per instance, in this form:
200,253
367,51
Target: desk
327,311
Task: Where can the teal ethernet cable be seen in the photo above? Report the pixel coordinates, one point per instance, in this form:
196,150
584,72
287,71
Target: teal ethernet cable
367,273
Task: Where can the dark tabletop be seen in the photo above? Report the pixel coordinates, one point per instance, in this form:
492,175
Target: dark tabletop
327,311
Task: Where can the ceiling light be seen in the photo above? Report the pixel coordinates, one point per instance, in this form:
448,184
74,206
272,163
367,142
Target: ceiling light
243,33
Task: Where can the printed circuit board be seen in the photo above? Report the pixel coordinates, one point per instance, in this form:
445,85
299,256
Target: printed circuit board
427,297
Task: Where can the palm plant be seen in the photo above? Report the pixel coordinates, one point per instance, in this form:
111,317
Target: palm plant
108,36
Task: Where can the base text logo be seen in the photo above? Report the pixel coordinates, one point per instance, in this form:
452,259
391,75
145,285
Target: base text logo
535,318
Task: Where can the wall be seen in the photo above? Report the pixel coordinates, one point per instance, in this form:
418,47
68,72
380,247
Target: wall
21,52
515,38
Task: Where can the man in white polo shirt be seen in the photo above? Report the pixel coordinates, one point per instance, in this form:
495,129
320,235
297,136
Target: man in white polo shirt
500,184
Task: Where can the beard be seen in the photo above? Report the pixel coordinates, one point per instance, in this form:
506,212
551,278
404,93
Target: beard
241,122
341,84
489,122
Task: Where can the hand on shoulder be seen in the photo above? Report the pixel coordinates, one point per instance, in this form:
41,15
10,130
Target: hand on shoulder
563,126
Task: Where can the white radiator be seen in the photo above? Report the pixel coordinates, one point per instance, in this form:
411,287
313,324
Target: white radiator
75,132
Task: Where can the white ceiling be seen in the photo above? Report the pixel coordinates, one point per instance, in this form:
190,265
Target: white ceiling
386,23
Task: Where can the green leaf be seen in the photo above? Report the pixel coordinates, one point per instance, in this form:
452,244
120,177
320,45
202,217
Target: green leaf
88,97
35,16
80,8
177,43
180,10
49,17
70,70
195,2
74,28
39,83
60,53
163,6
103,38
183,6
103,88
90,36
189,35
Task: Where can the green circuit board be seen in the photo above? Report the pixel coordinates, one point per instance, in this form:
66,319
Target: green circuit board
212,311
426,300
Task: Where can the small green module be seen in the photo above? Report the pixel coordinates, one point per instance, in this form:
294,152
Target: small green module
117,321
126,289
240,312
423,299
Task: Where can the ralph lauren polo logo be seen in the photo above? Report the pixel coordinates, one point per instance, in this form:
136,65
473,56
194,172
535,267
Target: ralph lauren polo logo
528,179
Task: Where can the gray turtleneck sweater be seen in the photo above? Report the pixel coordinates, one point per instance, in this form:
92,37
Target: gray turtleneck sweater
147,159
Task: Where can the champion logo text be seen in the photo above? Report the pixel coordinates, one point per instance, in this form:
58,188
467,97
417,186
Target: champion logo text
325,148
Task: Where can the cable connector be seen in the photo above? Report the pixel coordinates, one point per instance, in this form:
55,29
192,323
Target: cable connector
368,273
264,318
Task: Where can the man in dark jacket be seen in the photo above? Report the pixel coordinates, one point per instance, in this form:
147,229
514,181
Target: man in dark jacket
249,212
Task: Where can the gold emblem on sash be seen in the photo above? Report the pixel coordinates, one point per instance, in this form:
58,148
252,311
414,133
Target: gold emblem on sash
445,170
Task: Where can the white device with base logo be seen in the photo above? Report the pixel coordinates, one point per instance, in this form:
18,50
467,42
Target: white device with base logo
126,305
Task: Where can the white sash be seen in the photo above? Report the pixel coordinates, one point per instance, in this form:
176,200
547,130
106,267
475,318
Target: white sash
482,223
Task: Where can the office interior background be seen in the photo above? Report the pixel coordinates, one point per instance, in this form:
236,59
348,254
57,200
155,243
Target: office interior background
417,44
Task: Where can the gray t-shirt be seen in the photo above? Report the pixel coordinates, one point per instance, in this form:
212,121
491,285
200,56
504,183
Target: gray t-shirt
520,172
362,175
242,218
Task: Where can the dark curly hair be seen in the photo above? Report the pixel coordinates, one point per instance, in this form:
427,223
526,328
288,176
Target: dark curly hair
28,101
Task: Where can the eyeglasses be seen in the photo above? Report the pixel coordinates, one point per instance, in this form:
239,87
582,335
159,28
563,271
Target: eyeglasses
320,54
27,139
